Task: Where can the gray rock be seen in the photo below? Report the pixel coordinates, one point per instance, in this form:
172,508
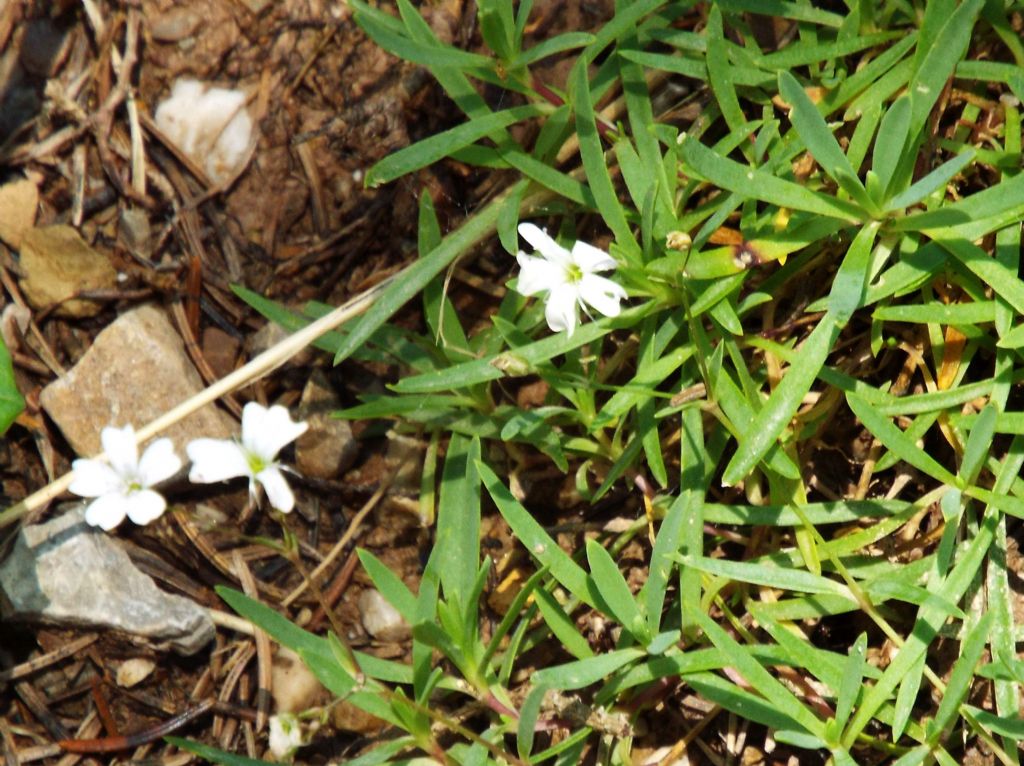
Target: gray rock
135,371
65,572
327,448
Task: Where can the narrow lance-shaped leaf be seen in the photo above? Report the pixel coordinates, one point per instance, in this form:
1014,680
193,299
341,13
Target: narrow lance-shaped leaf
441,145
614,591
819,140
891,138
931,183
593,162
457,547
11,402
420,273
759,184
940,61
720,71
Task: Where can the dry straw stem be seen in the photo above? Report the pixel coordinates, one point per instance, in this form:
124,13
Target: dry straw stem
263,364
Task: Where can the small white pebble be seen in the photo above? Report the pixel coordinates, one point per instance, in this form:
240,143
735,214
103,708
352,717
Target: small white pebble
211,126
381,620
133,671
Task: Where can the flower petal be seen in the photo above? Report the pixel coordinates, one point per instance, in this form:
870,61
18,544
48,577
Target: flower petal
560,309
145,506
121,450
278,492
94,478
107,511
601,293
266,430
216,460
591,259
158,462
537,275
543,244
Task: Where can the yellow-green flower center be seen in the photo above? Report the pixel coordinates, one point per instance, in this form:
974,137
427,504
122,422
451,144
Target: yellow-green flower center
573,273
256,463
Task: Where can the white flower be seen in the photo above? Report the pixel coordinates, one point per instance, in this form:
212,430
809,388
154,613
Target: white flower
264,432
122,486
285,735
569,277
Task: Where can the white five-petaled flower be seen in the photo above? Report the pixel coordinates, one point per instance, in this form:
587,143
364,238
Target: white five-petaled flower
264,432
122,486
569,277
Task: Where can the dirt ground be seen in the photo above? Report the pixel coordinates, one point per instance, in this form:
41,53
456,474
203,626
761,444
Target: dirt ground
79,83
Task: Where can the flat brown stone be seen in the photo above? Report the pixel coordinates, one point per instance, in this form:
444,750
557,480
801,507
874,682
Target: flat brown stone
135,371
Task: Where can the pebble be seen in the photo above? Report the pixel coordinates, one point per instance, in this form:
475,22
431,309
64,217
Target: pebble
381,620
175,25
134,671
66,573
294,688
135,371
211,125
19,201
327,449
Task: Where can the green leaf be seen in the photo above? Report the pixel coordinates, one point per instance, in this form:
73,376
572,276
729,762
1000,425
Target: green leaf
771,576
553,45
11,402
214,755
415,277
613,590
518,361
562,626
818,139
978,444
529,712
786,10
763,682
665,545
932,182
962,677
745,704
533,537
497,26
1008,726
976,312
849,288
720,72
580,673
275,625
441,145
457,545
515,611
436,56
891,140
594,163
774,417
763,185
896,441
390,585
926,627
941,59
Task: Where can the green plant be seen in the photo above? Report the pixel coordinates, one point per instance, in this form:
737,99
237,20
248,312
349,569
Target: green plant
866,201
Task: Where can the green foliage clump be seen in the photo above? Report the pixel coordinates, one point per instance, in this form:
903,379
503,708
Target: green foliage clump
823,234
